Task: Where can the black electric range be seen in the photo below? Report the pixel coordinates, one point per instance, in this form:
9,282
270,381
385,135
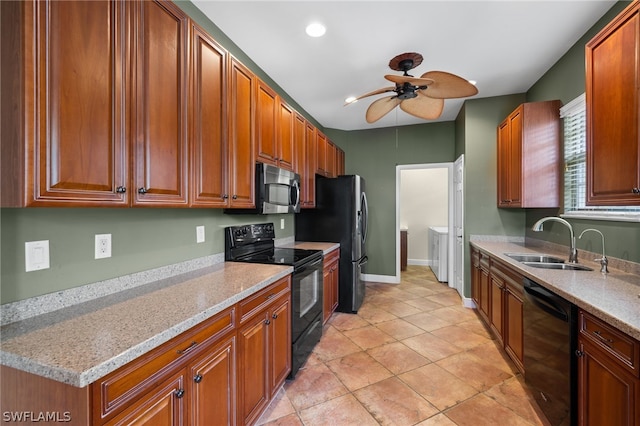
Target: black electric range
256,244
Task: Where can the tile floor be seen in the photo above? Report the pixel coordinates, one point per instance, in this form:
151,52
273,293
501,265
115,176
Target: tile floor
411,356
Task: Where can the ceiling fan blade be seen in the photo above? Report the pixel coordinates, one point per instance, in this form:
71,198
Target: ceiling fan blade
423,107
380,108
415,81
446,85
375,92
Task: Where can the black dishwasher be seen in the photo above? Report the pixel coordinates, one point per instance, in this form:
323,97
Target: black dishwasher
550,325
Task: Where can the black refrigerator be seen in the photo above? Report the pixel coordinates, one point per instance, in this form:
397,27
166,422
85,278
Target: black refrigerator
340,216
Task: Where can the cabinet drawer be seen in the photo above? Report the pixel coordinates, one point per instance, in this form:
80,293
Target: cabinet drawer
623,348
331,257
119,388
257,302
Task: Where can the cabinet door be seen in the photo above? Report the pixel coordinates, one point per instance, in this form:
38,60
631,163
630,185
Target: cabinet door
77,104
513,333
504,152
515,159
212,385
335,284
607,394
321,153
285,137
160,153
164,406
310,192
484,292
299,149
327,297
612,100
475,276
339,162
280,342
496,290
266,113
331,160
209,186
253,383
241,155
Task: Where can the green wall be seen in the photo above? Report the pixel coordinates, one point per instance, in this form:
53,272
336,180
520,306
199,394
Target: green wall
142,239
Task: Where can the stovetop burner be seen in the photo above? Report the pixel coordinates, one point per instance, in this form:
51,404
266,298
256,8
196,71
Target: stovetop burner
256,244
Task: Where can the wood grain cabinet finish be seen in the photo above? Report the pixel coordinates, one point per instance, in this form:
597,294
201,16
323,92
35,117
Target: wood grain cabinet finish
529,157
266,123
264,348
340,156
209,185
608,380
241,136
285,141
65,100
309,189
613,105
160,159
498,293
331,283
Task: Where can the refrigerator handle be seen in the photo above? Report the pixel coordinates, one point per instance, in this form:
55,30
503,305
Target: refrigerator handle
365,217
362,261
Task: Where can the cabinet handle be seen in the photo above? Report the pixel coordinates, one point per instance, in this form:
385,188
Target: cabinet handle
225,196
267,322
274,316
269,296
121,190
198,378
579,353
179,393
188,348
602,338
235,197
142,190
636,190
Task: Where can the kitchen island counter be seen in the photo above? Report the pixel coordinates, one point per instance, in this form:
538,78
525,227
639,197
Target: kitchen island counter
84,342
612,297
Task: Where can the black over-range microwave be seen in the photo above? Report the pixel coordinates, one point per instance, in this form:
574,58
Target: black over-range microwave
277,191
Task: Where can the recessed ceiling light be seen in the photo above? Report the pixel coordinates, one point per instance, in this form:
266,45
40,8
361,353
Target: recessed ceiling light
315,29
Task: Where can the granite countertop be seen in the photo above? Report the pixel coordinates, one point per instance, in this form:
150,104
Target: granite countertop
613,297
82,343
308,245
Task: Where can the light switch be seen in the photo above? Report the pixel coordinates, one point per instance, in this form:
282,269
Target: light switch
200,234
36,255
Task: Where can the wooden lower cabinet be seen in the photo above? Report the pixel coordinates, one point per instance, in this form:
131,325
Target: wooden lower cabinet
608,380
264,348
498,293
330,284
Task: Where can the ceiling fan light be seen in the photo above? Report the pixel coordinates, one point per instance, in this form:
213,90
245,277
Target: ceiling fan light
473,82
315,29
350,100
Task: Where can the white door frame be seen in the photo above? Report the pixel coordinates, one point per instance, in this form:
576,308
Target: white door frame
450,201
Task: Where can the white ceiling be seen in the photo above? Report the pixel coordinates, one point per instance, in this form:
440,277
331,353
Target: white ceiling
505,46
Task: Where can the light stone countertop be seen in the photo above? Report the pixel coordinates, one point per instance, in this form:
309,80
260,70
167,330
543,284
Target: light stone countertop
613,297
308,245
82,343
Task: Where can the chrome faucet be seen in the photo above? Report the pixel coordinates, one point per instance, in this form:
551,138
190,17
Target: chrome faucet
603,260
573,252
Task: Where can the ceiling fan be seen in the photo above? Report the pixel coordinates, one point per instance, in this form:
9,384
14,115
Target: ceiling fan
421,97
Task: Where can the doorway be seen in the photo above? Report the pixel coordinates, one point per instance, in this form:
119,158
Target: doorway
420,235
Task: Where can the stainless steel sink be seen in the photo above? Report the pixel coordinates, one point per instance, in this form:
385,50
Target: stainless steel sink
565,266
531,257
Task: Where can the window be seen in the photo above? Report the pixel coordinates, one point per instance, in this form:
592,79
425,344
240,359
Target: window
574,117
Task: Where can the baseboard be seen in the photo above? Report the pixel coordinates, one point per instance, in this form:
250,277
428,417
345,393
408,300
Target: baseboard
468,302
419,262
386,279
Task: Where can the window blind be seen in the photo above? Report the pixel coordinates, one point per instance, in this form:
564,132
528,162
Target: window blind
574,117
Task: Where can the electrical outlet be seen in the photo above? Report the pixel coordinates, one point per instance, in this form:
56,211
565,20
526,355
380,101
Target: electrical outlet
281,223
103,246
200,234
36,255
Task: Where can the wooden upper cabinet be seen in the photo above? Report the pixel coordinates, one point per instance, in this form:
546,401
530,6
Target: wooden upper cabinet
266,118
613,104
299,146
68,145
284,140
529,157
309,187
208,114
160,145
321,153
241,136
339,161
331,159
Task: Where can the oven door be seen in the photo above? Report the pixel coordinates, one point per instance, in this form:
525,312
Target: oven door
306,296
